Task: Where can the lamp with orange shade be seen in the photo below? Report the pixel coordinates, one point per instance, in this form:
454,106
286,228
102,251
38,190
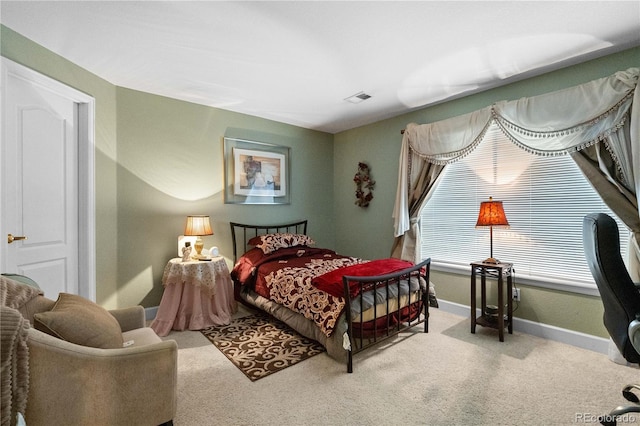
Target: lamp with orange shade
492,214
198,225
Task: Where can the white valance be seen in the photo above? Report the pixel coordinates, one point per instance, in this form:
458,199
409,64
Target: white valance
555,123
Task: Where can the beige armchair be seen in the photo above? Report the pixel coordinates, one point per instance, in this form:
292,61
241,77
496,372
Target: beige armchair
70,384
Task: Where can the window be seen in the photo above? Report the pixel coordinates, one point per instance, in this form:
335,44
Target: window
544,198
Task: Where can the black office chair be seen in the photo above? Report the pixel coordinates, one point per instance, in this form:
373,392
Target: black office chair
620,296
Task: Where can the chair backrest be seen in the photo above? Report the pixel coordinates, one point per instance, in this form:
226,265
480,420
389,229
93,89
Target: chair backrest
620,297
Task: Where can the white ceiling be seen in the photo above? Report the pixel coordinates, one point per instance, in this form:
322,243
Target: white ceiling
295,62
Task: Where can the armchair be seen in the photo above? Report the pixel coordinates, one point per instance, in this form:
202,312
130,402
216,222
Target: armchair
620,297
75,384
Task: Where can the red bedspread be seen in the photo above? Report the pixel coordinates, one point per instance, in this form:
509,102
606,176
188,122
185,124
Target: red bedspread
288,276
331,282
285,277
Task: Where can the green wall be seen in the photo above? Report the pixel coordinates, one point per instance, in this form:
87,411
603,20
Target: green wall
171,164
160,159
369,233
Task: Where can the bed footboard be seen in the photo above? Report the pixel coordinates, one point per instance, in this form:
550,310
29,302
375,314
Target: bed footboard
390,318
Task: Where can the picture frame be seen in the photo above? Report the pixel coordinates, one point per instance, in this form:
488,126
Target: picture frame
256,172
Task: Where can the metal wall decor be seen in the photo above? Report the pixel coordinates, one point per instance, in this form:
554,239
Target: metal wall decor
364,185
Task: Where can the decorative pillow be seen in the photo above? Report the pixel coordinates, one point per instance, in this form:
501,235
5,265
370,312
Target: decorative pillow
80,321
245,266
22,279
271,242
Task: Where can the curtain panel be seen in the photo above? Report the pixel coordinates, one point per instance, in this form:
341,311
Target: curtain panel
594,122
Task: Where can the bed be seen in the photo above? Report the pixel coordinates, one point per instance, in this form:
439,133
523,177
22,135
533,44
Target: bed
345,303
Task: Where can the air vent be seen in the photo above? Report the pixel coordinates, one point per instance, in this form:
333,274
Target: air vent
357,98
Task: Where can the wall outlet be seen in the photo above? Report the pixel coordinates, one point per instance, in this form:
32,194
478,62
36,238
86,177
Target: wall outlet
516,294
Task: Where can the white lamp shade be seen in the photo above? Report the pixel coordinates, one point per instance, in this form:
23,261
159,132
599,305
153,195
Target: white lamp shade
198,225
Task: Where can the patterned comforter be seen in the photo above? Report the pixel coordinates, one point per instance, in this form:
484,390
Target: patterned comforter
286,275
308,281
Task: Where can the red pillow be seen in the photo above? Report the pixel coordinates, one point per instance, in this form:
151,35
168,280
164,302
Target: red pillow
244,267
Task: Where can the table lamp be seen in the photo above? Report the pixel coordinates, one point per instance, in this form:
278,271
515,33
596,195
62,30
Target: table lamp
198,225
492,214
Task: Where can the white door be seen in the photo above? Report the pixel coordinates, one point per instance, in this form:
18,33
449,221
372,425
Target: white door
41,215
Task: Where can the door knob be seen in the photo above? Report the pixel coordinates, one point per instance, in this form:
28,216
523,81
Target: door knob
11,238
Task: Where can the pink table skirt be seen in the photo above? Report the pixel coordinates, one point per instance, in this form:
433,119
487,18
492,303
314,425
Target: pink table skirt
192,307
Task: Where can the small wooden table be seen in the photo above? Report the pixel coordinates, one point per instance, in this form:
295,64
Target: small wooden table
197,295
499,271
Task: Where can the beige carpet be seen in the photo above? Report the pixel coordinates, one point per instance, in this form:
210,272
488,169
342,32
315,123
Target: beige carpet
445,377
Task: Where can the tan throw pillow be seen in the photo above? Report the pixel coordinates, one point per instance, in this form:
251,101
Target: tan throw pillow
80,321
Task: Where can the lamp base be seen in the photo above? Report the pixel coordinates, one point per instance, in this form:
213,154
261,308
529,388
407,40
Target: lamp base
491,260
199,245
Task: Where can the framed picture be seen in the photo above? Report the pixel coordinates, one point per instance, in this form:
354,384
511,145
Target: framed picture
256,172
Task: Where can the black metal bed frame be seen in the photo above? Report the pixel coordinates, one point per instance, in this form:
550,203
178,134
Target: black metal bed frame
359,338
403,321
250,231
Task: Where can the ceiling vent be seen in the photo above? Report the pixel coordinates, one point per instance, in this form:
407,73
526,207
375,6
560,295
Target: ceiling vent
357,98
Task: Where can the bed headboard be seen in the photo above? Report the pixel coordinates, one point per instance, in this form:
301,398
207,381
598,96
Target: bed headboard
241,233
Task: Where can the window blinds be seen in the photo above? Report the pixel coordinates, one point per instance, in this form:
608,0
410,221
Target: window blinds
544,198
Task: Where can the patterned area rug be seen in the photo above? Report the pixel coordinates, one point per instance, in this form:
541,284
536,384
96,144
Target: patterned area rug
260,345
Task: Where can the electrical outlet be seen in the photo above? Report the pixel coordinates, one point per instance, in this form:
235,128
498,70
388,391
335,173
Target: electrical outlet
516,294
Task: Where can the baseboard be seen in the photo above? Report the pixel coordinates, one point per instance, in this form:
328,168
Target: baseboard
150,313
545,331
563,335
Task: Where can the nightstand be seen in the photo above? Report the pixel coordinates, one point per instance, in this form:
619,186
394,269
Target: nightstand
197,294
498,319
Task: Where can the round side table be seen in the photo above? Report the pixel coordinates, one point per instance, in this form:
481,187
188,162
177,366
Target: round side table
197,295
